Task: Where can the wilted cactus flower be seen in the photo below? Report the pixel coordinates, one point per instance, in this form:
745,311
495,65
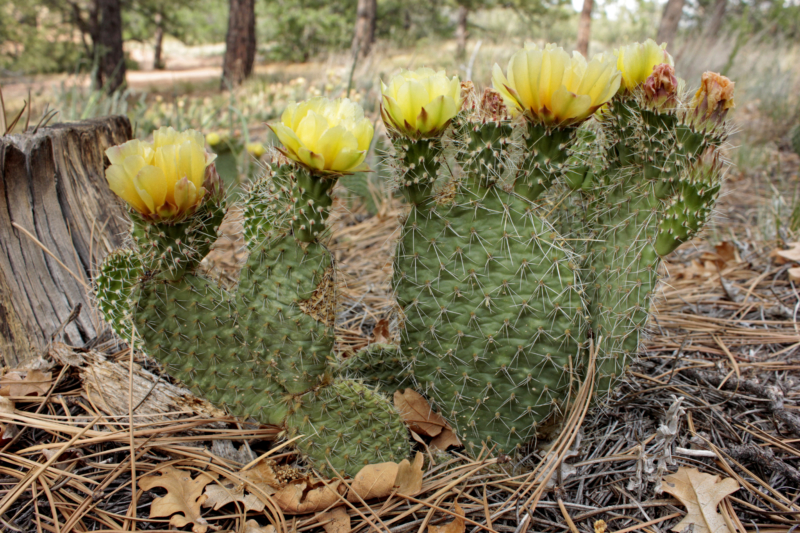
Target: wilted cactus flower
712,101
549,87
637,61
420,103
164,180
327,136
661,88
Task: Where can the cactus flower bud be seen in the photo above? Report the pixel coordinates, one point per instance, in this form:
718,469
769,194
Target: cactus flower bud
213,138
326,136
420,103
712,101
165,180
638,60
661,88
551,88
256,149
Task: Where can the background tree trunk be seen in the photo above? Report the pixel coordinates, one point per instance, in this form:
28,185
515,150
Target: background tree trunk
364,33
715,22
52,184
668,27
158,61
108,46
240,43
585,27
461,30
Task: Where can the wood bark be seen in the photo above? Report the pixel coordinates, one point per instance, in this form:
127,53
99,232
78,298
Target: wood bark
52,184
240,43
668,28
158,48
108,46
585,27
715,22
364,33
462,32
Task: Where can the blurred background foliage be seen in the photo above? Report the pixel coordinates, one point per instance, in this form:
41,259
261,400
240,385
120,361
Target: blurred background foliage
305,48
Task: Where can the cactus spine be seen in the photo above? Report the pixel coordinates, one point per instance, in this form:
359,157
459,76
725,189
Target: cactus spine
265,349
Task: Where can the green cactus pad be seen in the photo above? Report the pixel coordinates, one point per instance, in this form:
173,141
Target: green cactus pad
113,287
172,249
380,364
691,208
490,305
286,308
192,327
349,425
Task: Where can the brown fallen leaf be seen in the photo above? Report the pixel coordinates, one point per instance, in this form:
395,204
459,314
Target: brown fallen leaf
794,274
7,430
183,499
726,251
418,413
25,383
304,496
373,481
445,439
456,526
700,493
792,255
336,520
258,480
251,526
409,476
381,333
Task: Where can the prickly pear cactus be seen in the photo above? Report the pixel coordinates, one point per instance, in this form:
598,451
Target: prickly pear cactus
265,349
548,237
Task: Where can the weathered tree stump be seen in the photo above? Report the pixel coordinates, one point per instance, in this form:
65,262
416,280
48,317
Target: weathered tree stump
53,188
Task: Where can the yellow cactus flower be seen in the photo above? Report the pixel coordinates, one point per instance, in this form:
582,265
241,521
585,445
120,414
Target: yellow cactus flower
213,138
637,61
163,180
256,149
420,103
328,136
551,88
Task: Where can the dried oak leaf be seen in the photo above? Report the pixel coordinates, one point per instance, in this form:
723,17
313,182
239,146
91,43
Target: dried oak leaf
380,480
792,255
335,521
456,526
183,499
418,413
373,481
304,496
700,494
409,476
7,430
381,333
258,480
251,526
25,383
726,252
445,439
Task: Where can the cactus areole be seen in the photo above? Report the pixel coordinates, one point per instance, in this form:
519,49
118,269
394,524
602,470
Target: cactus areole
538,214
